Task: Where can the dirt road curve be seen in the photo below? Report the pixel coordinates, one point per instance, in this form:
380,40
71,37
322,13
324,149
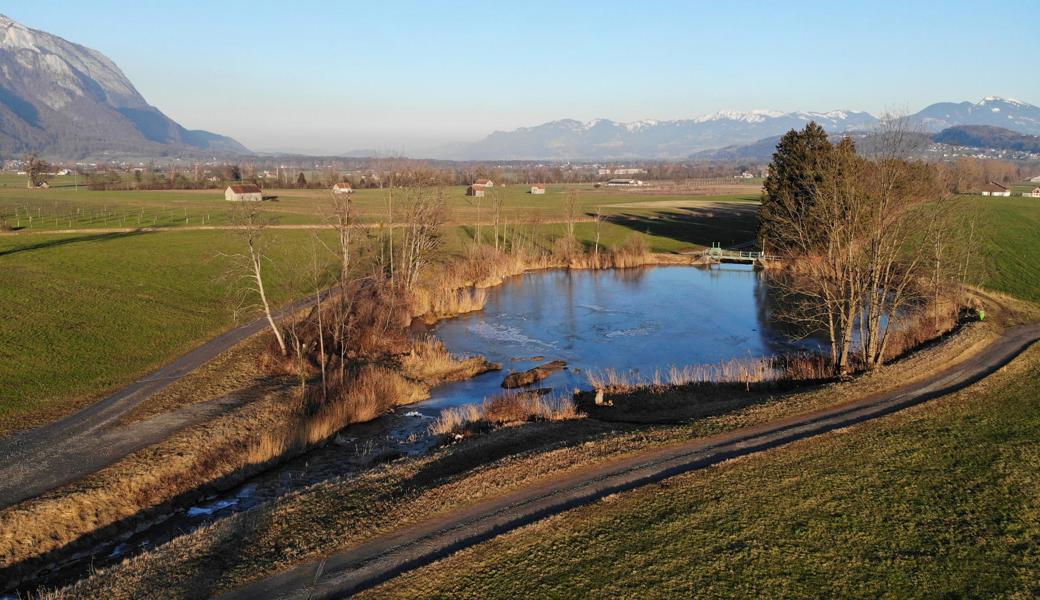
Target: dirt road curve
44,458
384,557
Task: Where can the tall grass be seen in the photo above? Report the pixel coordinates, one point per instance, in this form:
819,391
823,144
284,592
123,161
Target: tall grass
371,392
747,371
504,409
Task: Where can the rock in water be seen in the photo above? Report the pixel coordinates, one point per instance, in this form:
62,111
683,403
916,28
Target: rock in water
515,380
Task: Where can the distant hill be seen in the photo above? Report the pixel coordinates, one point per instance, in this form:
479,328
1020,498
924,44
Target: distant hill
986,136
722,136
994,111
610,140
61,99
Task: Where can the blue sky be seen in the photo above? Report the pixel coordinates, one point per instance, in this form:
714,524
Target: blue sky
397,76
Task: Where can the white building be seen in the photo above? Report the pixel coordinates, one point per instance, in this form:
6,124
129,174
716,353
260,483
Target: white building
342,187
485,183
1035,179
1033,194
476,190
244,192
537,189
624,182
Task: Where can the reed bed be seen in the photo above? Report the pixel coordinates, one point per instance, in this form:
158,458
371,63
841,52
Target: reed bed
746,371
504,409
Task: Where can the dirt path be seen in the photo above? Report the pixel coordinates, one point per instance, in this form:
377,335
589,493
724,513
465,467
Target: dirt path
41,459
380,559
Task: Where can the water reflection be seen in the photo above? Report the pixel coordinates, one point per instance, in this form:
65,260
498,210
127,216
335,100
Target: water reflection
638,319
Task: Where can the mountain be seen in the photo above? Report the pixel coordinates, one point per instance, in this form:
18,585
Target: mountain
602,139
725,135
997,112
986,136
61,99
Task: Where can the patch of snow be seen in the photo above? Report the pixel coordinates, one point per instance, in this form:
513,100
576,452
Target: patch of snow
640,125
753,116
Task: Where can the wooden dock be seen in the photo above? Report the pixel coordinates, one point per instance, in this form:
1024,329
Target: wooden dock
717,254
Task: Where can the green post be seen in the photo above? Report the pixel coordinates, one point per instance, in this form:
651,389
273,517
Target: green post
982,315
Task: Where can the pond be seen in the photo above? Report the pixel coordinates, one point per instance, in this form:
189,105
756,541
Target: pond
626,319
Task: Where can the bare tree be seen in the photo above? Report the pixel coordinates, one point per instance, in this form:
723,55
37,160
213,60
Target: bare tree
251,222
572,207
496,213
599,225
851,225
425,212
35,171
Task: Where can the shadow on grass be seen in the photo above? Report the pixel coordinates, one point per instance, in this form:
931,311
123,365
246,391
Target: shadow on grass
96,237
702,226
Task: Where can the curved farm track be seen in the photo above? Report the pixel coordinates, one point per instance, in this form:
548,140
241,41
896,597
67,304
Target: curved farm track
41,459
360,567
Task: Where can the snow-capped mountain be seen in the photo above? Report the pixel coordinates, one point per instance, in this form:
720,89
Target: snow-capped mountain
63,99
606,139
993,111
603,139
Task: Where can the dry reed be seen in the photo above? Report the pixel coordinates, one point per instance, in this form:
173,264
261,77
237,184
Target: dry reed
504,409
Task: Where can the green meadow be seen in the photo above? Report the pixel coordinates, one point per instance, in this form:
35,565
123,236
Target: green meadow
86,312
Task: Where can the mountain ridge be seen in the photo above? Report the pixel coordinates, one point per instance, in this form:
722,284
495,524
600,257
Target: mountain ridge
60,98
604,139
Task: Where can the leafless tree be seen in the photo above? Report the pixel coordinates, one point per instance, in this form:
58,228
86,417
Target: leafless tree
496,213
572,207
425,213
853,230
35,171
251,222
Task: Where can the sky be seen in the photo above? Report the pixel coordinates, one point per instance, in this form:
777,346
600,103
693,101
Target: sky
399,77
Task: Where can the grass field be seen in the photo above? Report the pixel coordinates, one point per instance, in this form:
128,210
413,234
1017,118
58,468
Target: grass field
1009,235
84,313
64,206
88,311
938,501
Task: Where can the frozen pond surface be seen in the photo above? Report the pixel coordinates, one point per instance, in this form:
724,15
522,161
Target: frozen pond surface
626,319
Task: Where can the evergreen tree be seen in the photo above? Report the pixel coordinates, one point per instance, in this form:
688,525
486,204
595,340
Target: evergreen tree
798,167
301,181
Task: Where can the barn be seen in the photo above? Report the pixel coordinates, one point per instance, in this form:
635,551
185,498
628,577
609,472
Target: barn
537,189
243,192
476,190
995,189
342,187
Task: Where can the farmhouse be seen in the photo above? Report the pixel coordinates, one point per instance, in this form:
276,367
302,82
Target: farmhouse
485,182
995,189
1035,179
476,190
537,189
1033,194
342,187
244,192
624,182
